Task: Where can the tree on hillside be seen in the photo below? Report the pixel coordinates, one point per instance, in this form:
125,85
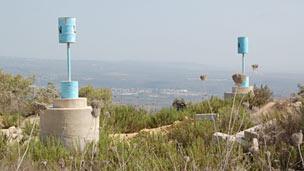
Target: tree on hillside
15,92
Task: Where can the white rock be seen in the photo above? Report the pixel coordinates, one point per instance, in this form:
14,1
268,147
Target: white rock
12,134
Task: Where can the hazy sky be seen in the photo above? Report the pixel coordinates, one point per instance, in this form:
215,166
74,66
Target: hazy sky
197,31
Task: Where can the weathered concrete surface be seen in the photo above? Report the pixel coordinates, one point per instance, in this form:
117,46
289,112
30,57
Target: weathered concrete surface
206,116
242,90
223,136
74,126
247,138
70,103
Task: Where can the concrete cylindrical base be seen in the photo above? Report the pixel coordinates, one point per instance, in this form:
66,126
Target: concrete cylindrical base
71,122
238,91
70,103
242,90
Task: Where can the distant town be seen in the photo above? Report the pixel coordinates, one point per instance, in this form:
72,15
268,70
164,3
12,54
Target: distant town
147,85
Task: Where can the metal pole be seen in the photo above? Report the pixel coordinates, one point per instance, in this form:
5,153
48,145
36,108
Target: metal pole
243,64
69,62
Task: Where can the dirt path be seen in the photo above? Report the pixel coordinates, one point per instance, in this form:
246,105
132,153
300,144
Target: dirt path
256,118
162,130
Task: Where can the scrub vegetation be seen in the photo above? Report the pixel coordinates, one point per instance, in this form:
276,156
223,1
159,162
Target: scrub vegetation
187,144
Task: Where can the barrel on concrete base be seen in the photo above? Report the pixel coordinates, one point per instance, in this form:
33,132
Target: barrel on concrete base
70,121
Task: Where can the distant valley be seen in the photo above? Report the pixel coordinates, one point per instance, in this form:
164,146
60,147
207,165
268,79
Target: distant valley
149,84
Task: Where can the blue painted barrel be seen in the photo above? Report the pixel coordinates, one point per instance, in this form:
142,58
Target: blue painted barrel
243,45
245,84
67,29
69,89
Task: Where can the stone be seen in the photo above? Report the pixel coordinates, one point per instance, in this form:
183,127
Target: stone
12,134
222,136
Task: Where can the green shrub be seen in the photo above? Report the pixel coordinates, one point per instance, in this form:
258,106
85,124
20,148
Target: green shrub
167,116
15,92
28,128
179,104
46,94
101,94
128,118
237,120
50,150
3,144
9,120
189,132
262,95
211,105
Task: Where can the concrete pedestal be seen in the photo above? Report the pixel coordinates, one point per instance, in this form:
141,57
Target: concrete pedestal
238,91
71,121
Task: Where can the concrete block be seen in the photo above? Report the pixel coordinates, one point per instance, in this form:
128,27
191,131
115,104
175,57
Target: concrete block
222,136
249,135
206,116
73,125
242,90
239,91
70,103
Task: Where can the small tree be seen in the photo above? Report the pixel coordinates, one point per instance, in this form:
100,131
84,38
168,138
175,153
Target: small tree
14,93
46,95
179,104
262,95
101,94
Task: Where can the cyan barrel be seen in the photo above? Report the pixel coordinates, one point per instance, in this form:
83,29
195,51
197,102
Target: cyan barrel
67,29
69,89
245,84
243,45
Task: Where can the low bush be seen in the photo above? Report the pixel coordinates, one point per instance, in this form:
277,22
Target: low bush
15,92
179,104
211,105
262,95
167,116
188,132
101,94
9,120
127,119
